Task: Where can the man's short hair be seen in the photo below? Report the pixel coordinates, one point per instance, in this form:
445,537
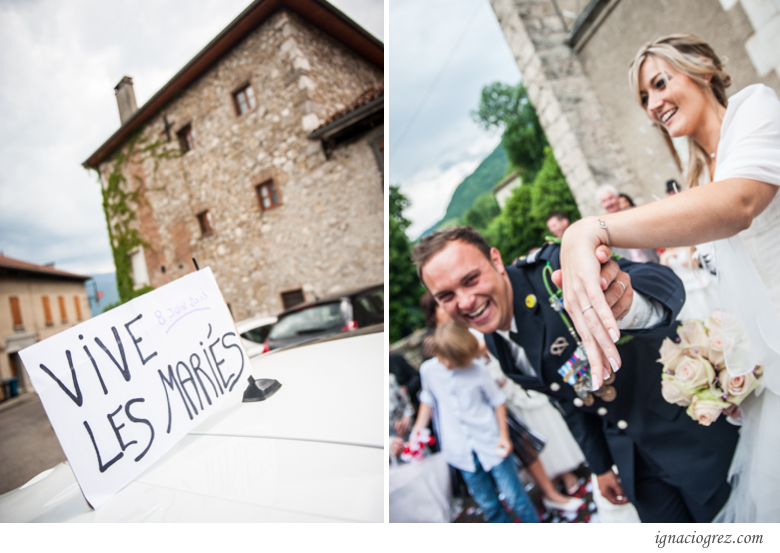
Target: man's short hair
557,214
436,242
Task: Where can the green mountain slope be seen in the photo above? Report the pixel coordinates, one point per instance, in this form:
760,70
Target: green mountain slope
483,179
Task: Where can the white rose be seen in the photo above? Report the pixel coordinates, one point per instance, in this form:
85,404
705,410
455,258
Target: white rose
704,411
674,391
694,373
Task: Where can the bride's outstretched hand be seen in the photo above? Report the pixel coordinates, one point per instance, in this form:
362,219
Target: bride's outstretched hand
583,296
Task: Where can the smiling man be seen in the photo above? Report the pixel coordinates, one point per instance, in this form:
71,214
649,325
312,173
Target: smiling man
671,469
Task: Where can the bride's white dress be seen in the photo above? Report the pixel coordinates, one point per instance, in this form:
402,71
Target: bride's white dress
748,267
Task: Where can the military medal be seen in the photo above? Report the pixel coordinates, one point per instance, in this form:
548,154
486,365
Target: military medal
559,346
606,393
576,371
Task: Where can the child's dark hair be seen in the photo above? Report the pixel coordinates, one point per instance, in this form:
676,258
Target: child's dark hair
454,344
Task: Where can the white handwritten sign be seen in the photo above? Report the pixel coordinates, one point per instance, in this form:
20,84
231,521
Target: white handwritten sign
122,388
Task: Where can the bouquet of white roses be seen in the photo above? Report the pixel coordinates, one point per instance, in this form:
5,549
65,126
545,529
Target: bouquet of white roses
694,371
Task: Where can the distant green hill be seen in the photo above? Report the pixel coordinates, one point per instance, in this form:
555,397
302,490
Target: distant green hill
483,179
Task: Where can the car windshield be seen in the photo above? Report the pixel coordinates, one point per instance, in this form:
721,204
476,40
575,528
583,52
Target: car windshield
258,334
317,318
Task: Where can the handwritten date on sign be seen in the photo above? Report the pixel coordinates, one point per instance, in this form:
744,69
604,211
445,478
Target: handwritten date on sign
174,313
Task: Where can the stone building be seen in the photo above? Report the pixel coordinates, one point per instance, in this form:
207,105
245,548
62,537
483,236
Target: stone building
574,57
35,302
261,158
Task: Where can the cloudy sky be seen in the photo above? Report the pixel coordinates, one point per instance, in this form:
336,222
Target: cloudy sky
442,52
59,63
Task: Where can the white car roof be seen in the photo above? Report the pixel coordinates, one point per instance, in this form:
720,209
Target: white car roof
311,452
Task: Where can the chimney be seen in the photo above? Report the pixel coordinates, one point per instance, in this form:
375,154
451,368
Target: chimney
125,99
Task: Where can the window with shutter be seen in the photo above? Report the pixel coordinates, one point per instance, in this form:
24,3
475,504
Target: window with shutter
16,313
63,312
267,195
47,311
77,305
244,99
292,298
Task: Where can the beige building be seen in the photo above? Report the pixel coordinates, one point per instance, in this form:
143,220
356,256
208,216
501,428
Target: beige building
503,190
574,57
35,302
261,158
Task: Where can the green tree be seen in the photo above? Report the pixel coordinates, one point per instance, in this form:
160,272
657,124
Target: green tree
508,107
514,232
484,210
405,287
551,192
522,223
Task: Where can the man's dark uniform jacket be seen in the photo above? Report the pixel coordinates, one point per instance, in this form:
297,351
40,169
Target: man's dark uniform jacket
692,458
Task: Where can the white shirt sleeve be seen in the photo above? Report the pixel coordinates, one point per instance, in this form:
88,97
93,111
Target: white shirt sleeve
493,393
644,313
750,137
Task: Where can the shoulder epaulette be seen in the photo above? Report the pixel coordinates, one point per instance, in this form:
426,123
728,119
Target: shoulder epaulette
543,254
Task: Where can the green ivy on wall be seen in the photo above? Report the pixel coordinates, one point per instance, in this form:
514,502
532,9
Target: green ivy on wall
121,201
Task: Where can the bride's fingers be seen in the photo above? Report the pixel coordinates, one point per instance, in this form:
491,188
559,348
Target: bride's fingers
598,331
603,253
592,351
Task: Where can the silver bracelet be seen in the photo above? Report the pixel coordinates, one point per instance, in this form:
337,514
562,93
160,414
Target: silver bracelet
603,224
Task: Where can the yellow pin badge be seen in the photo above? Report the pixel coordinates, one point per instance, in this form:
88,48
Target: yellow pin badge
530,301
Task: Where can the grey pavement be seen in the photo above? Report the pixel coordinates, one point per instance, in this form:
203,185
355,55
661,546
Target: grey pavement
28,445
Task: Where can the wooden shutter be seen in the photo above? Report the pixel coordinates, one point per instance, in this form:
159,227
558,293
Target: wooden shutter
77,303
47,311
63,313
16,311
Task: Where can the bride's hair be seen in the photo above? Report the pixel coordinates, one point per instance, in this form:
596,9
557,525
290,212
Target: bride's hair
695,58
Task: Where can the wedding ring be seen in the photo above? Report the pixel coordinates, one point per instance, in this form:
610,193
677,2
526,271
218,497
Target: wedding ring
584,310
623,285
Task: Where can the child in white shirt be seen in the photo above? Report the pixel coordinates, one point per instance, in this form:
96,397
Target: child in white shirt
473,433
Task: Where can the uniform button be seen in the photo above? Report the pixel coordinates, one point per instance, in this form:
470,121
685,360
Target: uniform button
602,411
622,424
555,386
578,402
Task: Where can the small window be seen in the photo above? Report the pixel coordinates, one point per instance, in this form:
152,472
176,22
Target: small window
47,311
63,312
16,313
292,298
267,195
77,305
206,228
186,140
244,100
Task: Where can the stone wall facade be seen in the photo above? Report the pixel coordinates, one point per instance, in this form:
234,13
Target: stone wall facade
568,107
596,129
325,236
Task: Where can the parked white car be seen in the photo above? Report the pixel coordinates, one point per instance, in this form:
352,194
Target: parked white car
311,452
